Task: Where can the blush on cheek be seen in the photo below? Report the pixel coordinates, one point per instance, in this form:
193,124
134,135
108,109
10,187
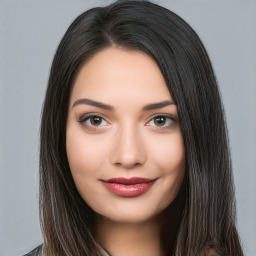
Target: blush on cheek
76,155
85,157
171,156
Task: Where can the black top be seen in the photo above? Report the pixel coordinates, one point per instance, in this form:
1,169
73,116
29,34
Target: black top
35,252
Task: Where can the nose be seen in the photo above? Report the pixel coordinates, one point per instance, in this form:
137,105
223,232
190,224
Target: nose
128,149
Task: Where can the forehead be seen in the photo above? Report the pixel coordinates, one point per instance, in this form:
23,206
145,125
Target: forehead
120,73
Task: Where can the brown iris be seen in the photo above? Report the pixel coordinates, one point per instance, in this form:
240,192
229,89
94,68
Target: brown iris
160,120
95,120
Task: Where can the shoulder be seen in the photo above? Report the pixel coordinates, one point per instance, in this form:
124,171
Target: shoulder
36,252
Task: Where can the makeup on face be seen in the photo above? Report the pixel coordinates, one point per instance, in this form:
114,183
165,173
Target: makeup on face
128,187
124,145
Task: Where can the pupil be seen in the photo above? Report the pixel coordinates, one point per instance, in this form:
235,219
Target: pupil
160,120
96,120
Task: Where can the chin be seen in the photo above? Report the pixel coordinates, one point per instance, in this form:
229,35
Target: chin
131,212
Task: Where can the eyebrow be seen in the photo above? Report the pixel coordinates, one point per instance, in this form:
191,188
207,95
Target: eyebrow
109,107
158,105
92,103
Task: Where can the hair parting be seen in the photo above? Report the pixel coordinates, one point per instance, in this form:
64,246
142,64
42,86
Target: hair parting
208,212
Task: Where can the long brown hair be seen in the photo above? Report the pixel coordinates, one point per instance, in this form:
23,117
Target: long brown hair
208,216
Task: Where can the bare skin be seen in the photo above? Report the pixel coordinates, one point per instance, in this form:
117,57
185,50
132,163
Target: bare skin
123,122
126,239
154,237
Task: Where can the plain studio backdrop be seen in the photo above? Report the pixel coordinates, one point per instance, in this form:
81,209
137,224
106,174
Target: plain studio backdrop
30,33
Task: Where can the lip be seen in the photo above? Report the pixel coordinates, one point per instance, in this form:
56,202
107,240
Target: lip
131,187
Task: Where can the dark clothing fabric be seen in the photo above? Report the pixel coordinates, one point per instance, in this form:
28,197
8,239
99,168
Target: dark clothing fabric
36,252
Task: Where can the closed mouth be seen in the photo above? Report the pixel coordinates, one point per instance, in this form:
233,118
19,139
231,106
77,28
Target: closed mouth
130,187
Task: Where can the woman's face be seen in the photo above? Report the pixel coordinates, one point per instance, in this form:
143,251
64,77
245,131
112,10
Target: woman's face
123,139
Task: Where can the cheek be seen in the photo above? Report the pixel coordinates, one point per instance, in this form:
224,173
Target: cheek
82,161
86,154
175,155
169,154
169,158
171,161
79,152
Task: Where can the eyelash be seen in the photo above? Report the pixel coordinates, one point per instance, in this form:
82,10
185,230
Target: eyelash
168,119
84,118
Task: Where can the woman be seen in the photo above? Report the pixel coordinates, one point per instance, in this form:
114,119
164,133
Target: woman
134,156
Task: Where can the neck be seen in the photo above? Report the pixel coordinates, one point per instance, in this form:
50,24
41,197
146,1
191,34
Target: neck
126,239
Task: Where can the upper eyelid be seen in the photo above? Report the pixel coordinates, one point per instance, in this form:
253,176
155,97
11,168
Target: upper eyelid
173,117
86,116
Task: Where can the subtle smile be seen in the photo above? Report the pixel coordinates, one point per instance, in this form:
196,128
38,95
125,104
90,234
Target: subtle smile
128,187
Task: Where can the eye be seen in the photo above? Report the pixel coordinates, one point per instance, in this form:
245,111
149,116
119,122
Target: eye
162,121
93,120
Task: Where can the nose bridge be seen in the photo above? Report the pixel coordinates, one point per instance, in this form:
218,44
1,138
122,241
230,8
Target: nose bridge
129,148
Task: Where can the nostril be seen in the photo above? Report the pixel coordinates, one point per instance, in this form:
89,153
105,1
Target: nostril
128,165
128,150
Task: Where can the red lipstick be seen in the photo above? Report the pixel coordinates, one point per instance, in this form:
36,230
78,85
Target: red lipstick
128,187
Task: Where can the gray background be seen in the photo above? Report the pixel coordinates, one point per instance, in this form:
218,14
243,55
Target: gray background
30,32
